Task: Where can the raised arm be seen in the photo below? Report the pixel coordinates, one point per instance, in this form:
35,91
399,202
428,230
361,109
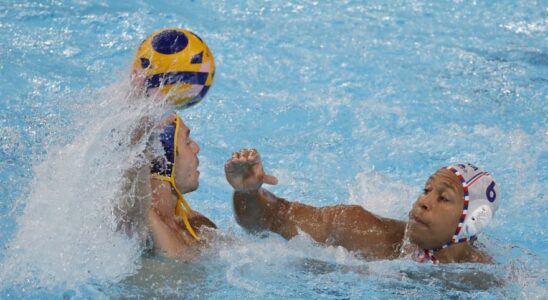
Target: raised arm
349,226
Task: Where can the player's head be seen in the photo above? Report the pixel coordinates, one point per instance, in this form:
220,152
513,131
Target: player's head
457,203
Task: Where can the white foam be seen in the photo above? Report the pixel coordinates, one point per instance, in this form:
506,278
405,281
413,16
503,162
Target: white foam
528,28
382,195
250,260
66,232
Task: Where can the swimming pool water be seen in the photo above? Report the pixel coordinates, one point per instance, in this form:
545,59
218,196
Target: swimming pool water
348,102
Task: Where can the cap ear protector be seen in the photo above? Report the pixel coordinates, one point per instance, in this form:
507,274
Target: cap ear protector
480,200
477,220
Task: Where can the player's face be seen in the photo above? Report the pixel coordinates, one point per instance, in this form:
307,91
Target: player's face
186,158
436,213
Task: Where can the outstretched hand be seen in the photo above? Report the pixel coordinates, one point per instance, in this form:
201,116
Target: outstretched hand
244,171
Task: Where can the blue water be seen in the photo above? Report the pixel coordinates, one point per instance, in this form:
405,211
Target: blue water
348,102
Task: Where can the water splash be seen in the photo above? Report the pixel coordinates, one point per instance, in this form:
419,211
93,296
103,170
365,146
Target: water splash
72,196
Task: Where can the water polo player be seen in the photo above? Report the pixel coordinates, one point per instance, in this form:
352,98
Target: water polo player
176,67
457,202
174,227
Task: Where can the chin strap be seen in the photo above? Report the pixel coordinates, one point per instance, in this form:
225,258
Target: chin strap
181,207
428,254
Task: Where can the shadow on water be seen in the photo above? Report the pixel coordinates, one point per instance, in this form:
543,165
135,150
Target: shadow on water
465,278
534,58
163,277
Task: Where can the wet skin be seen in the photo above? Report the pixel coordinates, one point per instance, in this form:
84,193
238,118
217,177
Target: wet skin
186,161
436,213
433,217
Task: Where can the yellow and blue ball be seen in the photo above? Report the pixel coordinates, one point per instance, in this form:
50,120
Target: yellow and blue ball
176,63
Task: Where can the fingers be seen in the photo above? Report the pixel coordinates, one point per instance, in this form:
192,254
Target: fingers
244,171
253,154
245,155
269,179
235,155
245,159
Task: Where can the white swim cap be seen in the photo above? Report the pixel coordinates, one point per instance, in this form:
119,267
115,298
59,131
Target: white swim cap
480,201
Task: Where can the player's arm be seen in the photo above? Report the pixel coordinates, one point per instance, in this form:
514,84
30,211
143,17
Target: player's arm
350,226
